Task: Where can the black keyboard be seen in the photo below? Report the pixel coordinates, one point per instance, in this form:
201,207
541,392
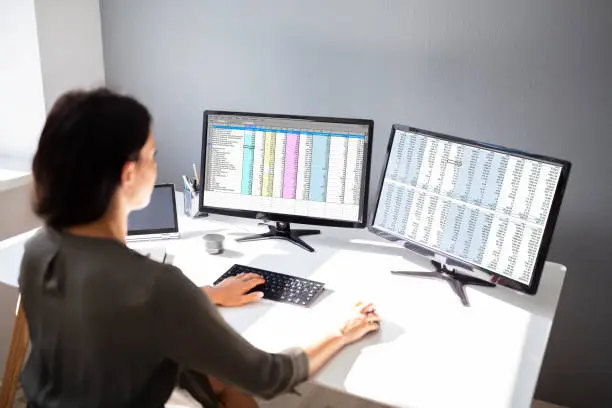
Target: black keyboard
278,286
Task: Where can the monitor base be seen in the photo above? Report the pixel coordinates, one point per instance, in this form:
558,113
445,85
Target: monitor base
456,280
282,230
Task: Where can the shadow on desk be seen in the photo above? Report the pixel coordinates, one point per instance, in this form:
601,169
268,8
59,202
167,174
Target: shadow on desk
304,264
200,234
230,253
538,304
375,247
341,365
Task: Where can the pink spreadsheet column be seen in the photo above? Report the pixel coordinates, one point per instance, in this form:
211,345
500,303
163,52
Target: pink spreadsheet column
291,165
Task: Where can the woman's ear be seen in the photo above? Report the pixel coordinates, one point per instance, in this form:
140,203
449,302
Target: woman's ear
128,175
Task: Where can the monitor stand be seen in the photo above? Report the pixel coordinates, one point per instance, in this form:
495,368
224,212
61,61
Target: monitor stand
456,280
282,230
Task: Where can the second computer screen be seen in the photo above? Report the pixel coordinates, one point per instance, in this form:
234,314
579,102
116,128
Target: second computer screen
285,166
482,206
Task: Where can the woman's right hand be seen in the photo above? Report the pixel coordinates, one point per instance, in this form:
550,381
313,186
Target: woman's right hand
362,321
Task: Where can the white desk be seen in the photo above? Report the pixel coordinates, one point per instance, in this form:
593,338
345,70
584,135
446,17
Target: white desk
430,351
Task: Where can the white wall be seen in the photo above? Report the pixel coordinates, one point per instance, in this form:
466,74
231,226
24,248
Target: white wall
70,40
22,113
22,105
46,48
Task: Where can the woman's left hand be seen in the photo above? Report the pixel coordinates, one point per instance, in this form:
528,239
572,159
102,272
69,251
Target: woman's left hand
232,291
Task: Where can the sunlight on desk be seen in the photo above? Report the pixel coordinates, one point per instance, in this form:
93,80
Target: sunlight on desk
435,350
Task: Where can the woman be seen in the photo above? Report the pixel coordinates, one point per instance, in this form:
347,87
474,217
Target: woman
109,327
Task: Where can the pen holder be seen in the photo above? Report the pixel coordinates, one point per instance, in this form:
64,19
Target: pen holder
190,200
190,203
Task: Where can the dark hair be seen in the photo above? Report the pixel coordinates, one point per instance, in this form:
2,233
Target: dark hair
87,139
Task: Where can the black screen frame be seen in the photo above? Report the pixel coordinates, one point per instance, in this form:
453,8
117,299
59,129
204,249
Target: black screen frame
551,221
280,217
173,230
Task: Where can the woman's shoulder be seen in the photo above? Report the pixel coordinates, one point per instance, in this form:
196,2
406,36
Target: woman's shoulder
92,263
40,247
94,252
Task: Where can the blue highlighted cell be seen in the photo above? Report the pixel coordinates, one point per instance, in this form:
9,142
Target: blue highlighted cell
318,169
247,163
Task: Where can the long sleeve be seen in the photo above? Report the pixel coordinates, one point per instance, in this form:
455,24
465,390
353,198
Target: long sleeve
188,329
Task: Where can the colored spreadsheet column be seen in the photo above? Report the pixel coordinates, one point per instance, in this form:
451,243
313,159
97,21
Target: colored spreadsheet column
247,162
278,178
291,165
258,163
268,164
319,166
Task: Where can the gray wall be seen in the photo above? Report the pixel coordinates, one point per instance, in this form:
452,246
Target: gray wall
535,75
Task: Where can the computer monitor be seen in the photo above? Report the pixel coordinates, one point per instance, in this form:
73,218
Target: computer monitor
285,168
473,204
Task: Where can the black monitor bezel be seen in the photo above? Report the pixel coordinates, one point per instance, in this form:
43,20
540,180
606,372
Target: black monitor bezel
172,230
530,289
299,219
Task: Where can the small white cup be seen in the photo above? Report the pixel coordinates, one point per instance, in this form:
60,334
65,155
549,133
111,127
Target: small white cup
213,243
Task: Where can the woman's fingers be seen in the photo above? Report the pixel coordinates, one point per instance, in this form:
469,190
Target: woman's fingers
366,307
250,276
372,326
373,318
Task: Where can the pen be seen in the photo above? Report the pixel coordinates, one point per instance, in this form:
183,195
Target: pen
195,172
189,185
